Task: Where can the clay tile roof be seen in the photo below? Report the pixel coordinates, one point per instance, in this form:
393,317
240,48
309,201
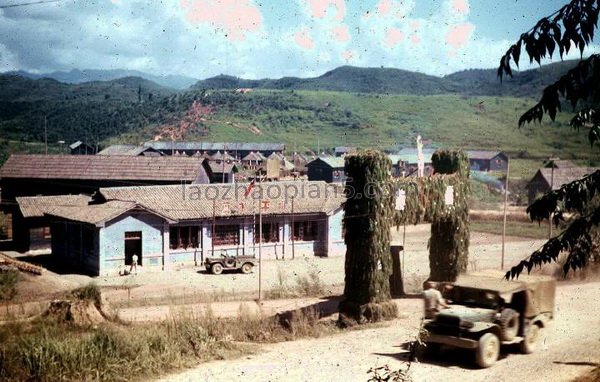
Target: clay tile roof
37,206
132,150
333,162
93,214
191,202
220,168
214,146
102,167
483,154
564,175
253,156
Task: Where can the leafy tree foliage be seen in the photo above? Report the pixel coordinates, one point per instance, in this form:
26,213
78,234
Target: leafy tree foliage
571,27
367,217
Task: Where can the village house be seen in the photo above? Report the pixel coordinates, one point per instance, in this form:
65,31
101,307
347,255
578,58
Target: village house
300,161
253,160
546,179
344,150
328,169
80,148
36,175
174,225
407,162
131,150
238,150
482,160
220,171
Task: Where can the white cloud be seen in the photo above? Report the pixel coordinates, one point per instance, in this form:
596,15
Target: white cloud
166,38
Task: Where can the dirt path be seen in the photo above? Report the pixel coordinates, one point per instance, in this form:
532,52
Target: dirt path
567,349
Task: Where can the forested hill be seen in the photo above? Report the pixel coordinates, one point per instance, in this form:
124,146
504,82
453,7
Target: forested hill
361,106
77,76
92,111
481,82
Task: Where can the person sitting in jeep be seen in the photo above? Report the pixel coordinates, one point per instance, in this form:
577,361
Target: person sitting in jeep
433,300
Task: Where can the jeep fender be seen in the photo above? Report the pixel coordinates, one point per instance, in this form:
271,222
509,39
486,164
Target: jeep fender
485,327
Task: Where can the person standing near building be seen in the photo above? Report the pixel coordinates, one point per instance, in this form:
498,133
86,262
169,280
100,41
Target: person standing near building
134,262
433,300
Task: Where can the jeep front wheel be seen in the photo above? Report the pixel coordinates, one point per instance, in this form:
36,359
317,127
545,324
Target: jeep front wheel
488,350
530,340
216,269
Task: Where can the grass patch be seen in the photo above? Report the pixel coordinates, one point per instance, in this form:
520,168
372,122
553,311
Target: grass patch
90,292
9,278
513,228
309,285
52,350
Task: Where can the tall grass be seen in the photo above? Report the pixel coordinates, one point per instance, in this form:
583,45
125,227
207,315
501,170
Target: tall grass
9,279
309,285
90,292
51,350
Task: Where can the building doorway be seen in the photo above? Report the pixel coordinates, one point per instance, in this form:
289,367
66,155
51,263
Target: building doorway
133,246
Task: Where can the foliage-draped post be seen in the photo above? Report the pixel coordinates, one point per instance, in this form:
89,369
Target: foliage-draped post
449,242
368,213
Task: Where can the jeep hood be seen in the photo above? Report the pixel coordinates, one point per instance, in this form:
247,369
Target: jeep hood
468,313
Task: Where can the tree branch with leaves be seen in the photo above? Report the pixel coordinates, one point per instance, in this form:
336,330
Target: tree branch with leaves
572,26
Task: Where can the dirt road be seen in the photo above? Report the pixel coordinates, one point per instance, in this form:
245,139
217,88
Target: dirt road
567,348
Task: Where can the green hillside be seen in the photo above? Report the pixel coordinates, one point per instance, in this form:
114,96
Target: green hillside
481,82
133,110
305,119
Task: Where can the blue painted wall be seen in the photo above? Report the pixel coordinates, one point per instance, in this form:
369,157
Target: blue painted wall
112,240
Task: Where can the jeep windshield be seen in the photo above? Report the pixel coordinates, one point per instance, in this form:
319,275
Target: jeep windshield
474,297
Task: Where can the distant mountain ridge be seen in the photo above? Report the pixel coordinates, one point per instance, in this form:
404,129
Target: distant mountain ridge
472,82
77,76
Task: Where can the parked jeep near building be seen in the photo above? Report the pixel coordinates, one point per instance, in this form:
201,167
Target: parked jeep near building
487,311
216,265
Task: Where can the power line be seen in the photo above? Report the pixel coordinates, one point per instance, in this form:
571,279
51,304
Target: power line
30,3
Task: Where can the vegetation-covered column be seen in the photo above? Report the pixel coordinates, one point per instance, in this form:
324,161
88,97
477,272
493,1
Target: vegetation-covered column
449,242
368,213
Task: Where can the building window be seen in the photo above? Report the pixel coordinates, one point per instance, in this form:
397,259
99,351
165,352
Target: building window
183,237
46,233
270,233
305,230
227,234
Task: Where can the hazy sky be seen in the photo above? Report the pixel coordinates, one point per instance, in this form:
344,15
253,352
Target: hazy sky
263,38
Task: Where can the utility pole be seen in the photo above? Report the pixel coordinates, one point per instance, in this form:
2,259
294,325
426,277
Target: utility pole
292,232
223,161
505,205
46,134
551,160
260,234
212,239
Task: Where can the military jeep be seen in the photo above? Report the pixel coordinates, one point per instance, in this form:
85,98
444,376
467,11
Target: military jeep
487,311
216,265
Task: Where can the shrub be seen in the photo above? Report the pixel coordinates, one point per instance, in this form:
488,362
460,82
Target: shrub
9,278
90,292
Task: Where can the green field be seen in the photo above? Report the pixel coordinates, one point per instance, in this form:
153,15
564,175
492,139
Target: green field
307,120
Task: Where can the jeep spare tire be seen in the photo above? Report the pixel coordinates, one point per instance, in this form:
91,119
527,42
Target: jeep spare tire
488,350
230,262
509,324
